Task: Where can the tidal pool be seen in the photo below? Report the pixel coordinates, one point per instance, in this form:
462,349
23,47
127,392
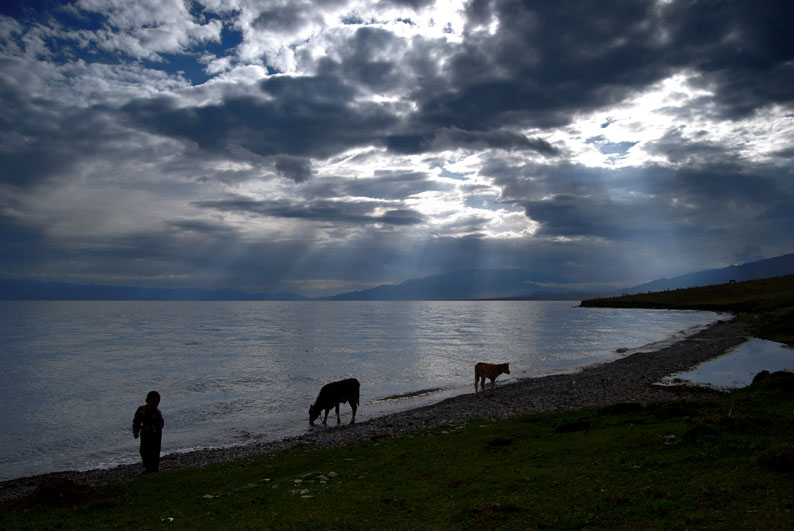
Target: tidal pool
738,367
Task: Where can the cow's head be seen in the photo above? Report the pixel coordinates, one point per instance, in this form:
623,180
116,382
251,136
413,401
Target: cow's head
314,412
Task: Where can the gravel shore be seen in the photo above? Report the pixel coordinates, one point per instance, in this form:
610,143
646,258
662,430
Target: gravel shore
628,379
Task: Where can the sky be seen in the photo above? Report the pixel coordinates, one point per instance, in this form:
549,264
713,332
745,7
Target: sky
325,146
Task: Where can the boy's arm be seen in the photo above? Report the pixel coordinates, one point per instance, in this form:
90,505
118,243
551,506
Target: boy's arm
137,420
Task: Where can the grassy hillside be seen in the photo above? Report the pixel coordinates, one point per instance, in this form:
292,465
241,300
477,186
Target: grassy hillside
720,463
750,296
768,304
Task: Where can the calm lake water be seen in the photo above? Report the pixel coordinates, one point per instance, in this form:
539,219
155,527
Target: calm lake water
72,373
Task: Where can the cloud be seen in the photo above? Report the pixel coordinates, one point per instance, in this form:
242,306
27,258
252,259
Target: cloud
385,185
298,169
146,29
454,138
741,52
302,117
336,212
214,142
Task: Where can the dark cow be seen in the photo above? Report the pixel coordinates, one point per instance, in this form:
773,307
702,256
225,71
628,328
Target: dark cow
333,394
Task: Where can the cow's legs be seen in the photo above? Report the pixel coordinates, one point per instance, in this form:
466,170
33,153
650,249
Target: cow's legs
338,420
326,415
353,407
493,385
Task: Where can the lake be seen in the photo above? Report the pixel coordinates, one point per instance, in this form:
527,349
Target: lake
73,372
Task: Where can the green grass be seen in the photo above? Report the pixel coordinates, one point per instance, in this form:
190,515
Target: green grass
750,296
670,466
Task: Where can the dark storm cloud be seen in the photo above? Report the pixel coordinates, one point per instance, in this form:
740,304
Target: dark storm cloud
305,117
546,62
596,215
196,226
363,59
681,151
41,138
453,138
743,49
22,243
327,211
383,185
550,60
298,169
711,195
282,18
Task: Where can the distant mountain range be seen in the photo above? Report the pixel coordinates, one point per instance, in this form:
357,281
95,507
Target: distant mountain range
27,289
771,267
457,285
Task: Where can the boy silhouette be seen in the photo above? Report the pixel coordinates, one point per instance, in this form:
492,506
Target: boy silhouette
148,423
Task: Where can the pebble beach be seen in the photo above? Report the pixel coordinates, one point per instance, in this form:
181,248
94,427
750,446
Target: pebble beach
629,379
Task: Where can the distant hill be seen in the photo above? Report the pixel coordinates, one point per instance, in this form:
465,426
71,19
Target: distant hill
771,267
27,289
461,285
470,284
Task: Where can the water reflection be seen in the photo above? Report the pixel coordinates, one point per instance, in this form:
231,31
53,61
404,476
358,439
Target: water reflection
739,366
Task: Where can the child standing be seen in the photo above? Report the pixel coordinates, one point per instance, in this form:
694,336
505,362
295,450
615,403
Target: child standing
148,422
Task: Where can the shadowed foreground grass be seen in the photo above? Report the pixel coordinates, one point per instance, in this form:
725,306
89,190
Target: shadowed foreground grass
724,462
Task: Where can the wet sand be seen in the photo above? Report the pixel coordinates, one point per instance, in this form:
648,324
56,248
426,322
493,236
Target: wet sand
628,379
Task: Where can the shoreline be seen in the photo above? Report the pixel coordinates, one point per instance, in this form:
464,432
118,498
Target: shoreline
626,379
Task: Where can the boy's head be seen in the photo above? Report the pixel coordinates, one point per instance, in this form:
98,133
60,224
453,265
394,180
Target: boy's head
153,398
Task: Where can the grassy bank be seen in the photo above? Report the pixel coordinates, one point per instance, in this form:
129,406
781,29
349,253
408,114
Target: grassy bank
767,304
724,462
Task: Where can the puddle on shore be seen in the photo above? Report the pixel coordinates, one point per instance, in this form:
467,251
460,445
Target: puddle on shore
737,367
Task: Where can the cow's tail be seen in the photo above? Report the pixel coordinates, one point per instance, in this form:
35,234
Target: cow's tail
358,388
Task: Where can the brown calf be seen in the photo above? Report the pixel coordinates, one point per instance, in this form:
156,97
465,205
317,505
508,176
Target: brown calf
490,371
